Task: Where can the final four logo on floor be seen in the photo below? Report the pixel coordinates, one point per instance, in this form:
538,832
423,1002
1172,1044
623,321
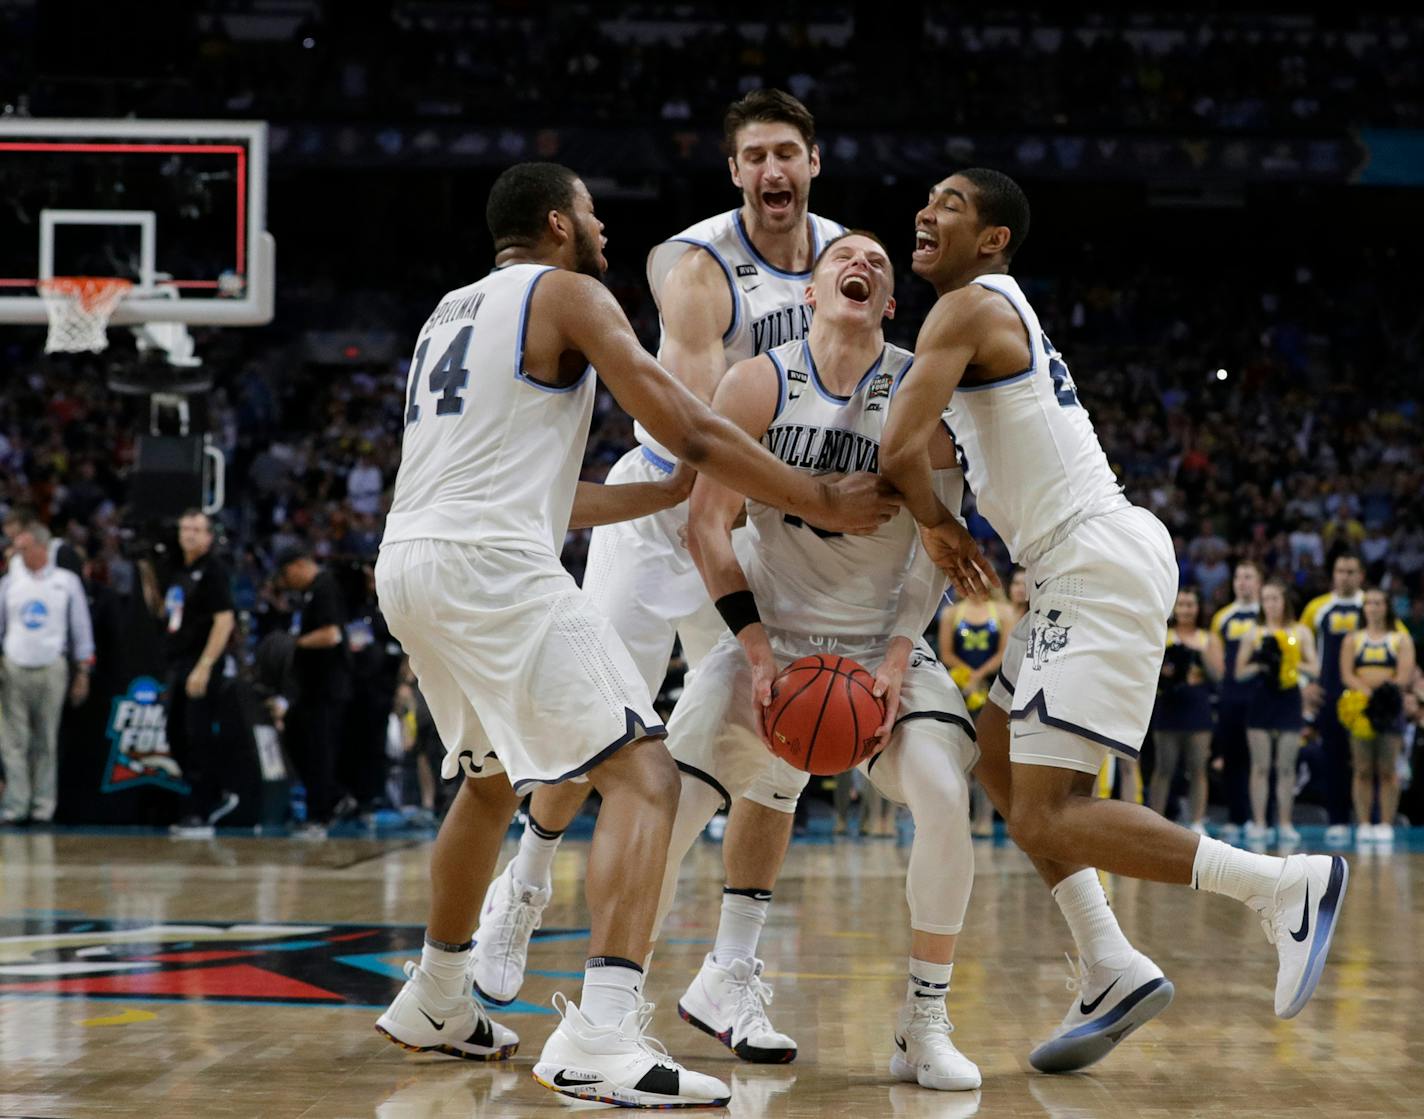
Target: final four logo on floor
138,734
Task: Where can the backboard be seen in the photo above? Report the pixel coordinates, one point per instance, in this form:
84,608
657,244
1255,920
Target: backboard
177,207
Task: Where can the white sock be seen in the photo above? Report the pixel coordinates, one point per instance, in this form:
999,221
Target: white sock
739,929
611,989
1238,874
445,964
927,980
1095,929
534,863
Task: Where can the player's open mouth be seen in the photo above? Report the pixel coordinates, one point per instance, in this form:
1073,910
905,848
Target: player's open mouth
776,200
856,289
925,243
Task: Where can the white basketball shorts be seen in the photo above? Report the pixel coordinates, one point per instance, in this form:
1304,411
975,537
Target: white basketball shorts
713,732
1086,656
522,673
640,574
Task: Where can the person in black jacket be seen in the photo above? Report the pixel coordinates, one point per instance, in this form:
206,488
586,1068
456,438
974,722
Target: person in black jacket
199,612
322,666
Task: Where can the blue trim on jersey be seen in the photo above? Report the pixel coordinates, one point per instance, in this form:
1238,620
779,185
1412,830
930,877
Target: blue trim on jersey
519,374
784,386
998,384
731,283
1039,705
658,461
820,385
1028,337
761,260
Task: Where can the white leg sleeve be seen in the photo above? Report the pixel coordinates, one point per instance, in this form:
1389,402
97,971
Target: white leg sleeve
697,804
921,768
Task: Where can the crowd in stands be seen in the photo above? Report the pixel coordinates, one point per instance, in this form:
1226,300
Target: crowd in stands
943,67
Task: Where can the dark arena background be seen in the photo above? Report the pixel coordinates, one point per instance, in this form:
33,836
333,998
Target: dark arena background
207,920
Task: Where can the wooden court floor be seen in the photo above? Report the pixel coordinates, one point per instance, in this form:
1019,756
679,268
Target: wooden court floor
150,978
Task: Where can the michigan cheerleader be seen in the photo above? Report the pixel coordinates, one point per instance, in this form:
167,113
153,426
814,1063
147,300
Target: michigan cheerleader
1277,656
1181,722
1376,664
973,634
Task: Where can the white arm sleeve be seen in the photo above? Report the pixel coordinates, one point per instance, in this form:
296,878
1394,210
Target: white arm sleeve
925,583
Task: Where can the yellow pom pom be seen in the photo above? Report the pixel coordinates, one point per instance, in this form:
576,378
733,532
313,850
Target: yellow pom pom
960,674
1351,712
1290,659
976,700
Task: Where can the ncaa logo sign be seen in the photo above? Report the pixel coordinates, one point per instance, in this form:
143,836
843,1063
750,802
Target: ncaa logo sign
138,736
34,614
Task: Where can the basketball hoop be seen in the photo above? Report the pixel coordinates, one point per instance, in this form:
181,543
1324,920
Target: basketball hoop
79,308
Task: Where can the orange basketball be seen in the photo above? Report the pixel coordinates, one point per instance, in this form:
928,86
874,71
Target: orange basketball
824,714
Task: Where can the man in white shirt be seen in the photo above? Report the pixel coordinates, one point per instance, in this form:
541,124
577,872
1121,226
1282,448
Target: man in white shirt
44,624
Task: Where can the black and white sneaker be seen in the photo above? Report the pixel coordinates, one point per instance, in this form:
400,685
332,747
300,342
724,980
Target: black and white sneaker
1111,1000
620,1064
730,1004
423,1021
1299,919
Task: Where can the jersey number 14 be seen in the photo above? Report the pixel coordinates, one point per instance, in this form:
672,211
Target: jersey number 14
447,380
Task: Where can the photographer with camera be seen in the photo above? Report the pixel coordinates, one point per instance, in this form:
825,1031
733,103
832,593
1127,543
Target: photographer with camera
1277,655
1377,666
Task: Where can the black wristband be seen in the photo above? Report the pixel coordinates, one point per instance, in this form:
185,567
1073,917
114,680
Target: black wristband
738,610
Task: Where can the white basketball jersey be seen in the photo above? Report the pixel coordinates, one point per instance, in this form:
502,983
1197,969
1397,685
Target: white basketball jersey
1028,448
807,580
768,306
490,455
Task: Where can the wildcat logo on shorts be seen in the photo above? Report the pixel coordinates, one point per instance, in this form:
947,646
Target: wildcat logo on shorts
138,731
1046,637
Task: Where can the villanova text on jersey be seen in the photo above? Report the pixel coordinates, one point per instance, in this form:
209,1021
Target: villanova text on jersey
823,449
785,324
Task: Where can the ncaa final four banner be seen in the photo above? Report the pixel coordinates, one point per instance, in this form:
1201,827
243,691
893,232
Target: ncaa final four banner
137,732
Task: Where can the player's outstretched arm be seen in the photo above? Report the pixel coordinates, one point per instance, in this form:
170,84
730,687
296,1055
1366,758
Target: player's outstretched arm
943,351
599,503
590,321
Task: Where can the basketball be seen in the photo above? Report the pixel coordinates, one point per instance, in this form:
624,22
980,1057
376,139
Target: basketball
824,714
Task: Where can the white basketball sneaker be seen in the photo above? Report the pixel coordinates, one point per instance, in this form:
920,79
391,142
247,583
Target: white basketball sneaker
924,1053
511,912
424,1021
1299,919
1112,999
730,1004
620,1064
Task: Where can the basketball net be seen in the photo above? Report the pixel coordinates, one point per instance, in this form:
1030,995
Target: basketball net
79,308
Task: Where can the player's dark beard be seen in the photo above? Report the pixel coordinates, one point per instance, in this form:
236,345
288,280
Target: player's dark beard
586,254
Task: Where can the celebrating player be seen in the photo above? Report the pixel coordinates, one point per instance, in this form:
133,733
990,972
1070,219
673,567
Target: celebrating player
728,288
526,680
819,404
1103,579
